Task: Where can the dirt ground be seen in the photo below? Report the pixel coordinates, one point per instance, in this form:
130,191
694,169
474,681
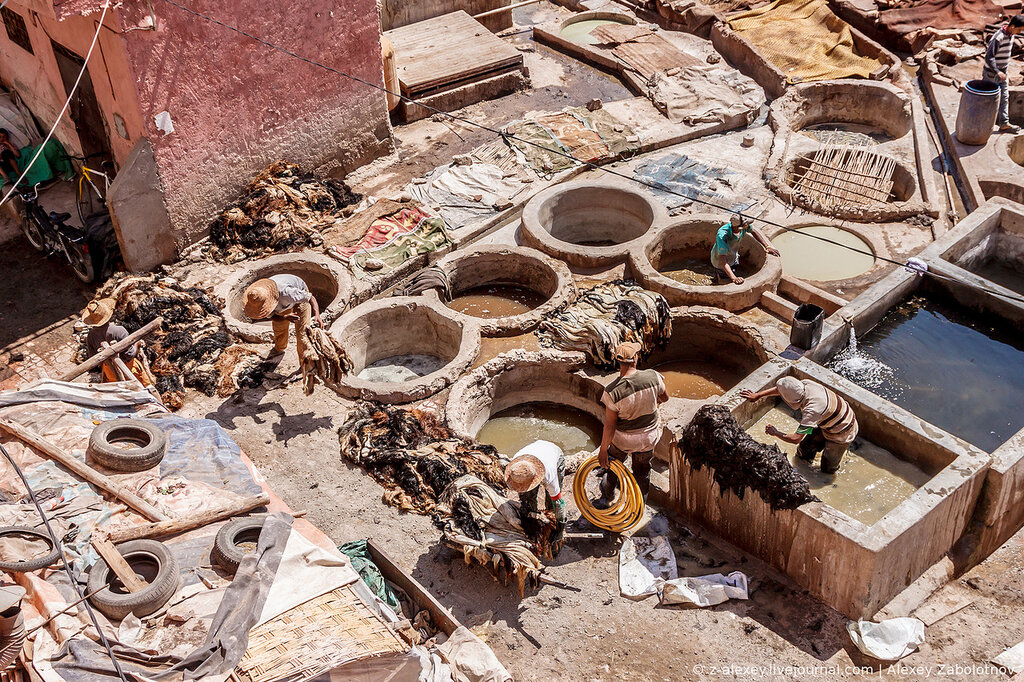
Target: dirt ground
780,633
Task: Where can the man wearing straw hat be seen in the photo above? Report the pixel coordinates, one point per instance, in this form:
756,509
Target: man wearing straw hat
102,333
283,299
541,463
632,425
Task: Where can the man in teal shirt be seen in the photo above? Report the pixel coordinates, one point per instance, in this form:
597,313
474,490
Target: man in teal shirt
725,254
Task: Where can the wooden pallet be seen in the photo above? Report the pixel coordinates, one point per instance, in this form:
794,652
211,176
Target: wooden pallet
449,51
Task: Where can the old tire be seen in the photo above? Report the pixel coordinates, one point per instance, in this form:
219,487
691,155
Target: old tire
104,445
226,553
48,559
149,559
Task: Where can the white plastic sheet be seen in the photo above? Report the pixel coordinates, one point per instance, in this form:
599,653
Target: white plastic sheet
705,590
645,563
889,640
1012,659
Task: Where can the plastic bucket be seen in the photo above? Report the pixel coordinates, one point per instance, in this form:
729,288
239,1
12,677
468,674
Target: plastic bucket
807,322
979,106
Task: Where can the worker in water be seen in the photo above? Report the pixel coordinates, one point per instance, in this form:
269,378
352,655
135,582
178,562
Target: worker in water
632,425
283,299
541,463
725,254
827,422
102,333
996,69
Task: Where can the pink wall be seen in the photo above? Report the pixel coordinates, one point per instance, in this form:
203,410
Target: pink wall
237,105
37,79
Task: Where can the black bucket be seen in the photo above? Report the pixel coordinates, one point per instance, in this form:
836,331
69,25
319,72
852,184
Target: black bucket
807,322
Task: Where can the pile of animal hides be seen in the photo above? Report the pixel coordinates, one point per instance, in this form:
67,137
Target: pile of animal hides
283,209
605,316
192,347
427,469
715,439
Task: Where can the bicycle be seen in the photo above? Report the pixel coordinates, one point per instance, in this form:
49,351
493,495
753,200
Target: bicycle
88,196
49,233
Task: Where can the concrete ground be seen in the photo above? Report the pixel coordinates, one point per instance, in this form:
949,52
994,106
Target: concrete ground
780,633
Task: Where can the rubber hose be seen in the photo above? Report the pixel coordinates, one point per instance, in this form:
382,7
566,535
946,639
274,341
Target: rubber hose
628,507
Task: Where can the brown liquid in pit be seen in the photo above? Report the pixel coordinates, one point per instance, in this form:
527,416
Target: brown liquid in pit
491,347
513,429
696,379
496,300
699,271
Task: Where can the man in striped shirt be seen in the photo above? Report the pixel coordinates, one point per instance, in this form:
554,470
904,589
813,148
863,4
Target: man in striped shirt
632,426
827,422
997,63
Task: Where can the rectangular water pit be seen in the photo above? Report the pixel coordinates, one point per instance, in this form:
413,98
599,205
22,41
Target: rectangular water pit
854,565
988,243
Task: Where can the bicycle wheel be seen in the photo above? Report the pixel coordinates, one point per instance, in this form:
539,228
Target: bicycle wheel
33,233
81,263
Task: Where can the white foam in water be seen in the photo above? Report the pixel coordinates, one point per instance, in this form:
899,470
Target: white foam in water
860,367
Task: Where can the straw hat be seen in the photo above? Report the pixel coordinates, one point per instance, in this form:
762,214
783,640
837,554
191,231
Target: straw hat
524,473
260,299
627,352
98,312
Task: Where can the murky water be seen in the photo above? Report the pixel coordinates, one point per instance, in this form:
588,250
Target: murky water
579,32
1003,275
491,347
496,300
696,379
959,371
697,270
514,428
402,368
809,258
871,481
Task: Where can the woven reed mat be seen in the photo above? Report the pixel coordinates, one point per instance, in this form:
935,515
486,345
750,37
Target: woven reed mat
315,637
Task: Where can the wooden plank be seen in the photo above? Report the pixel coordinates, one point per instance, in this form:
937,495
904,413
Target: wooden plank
445,49
123,344
105,548
441,616
653,54
164,528
83,470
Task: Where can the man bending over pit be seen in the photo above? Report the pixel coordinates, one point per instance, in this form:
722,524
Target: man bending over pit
827,422
539,464
282,299
725,254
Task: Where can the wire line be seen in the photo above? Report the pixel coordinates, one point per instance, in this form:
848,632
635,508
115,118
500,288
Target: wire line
64,561
588,164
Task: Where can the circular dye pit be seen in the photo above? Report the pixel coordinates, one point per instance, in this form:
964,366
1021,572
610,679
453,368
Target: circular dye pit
404,348
806,257
570,429
709,352
1015,149
589,224
508,290
326,280
675,261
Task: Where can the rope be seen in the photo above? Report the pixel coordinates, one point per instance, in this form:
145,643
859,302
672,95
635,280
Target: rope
56,121
592,166
64,561
624,512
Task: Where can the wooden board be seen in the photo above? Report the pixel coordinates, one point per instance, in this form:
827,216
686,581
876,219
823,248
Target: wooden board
448,49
